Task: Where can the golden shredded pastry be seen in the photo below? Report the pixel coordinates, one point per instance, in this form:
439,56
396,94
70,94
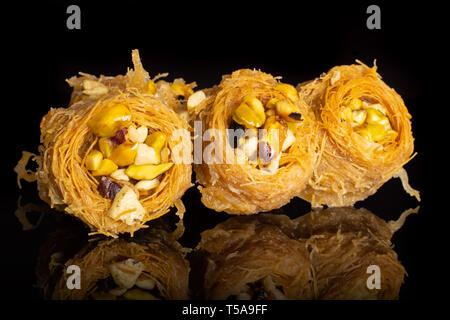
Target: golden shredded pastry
321,255
161,255
342,244
245,250
240,188
62,177
351,168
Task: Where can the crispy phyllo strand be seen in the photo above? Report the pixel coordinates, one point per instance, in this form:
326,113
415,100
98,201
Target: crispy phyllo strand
151,267
254,258
99,136
366,135
342,244
265,170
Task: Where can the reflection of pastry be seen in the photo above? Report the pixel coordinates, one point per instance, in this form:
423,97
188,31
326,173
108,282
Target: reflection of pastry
149,268
255,258
111,158
268,157
342,244
366,137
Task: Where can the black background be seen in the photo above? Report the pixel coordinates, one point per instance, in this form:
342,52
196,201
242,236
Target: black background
200,42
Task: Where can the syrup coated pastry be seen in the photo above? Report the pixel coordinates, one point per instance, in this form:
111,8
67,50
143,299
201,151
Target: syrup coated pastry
255,257
346,246
151,266
365,136
325,254
264,143
111,158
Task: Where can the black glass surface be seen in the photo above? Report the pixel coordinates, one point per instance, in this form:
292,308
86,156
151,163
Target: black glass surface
200,42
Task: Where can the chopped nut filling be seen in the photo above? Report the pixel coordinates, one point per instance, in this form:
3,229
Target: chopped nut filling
275,123
127,281
370,121
128,153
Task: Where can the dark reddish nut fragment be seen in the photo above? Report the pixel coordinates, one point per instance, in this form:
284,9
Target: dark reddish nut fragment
265,152
120,137
295,116
107,188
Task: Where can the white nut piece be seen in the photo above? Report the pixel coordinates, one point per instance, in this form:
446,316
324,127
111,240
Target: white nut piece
250,147
145,185
195,99
95,88
119,174
145,282
137,135
126,207
290,139
145,155
125,273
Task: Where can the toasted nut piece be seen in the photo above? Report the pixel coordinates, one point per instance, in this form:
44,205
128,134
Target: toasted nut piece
376,106
146,185
355,104
109,120
254,103
124,154
272,103
165,153
126,207
285,109
106,147
151,87
146,155
270,112
391,134
358,116
120,175
346,114
144,282
106,168
147,171
125,273
195,99
94,88
250,113
273,166
181,89
376,117
93,160
265,152
293,126
289,141
138,294
250,147
137,135
276,133
288,90
156,140
372,132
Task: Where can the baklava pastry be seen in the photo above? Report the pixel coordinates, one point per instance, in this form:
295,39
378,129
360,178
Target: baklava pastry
150,267
117,157
366,136
256,258
259,143
346,246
